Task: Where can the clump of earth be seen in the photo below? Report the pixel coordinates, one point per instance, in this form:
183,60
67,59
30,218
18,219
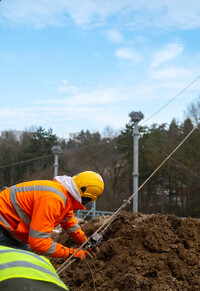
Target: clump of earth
138,252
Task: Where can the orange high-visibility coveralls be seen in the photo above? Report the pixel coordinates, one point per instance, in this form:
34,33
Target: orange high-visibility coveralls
31,210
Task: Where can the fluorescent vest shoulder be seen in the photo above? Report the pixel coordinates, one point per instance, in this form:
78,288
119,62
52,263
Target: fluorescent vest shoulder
22,264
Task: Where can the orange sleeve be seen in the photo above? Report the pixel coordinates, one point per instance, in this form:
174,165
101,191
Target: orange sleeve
70,224
46,210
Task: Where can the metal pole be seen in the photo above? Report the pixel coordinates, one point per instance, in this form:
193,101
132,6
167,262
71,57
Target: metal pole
56,165
93,209
135,165
135,117
56,151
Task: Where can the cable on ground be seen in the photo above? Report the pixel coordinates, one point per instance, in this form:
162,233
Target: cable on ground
94,286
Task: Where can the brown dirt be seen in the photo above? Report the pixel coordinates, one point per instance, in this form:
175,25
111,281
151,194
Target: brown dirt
139,252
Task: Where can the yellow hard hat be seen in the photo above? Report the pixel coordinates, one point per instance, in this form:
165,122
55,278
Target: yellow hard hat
89,184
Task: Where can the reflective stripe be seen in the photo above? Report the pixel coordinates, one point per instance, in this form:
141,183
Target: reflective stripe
73,228
66,219
51,250
16,263
27,265
4,221
21,213
25,253
42,188
39,234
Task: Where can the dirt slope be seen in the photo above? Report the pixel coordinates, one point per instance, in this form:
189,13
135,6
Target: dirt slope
140,252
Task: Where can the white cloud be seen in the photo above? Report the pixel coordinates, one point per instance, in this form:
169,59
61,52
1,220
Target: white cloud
166,14
95,109
68,89
171,73
170,52
37,13
181,14
90,98
19,118
114,36
128,54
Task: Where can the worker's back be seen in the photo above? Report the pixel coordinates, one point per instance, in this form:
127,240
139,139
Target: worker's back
24,204
25,194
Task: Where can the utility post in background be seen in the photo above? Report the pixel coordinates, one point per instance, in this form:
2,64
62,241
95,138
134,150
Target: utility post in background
56,151
94,209
135,117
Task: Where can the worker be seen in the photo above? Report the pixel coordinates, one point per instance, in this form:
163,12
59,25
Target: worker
22,270
29,212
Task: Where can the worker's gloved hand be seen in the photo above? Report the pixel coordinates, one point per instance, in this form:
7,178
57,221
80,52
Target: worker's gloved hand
82,255
94,251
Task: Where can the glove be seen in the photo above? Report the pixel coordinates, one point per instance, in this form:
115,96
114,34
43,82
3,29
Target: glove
94,251
80,254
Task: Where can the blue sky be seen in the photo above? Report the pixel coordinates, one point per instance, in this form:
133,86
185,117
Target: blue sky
83,64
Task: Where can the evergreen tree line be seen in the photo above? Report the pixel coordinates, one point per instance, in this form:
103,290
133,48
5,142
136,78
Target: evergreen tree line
173,189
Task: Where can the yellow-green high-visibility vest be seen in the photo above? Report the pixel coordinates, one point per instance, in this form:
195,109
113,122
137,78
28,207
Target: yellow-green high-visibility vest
16,263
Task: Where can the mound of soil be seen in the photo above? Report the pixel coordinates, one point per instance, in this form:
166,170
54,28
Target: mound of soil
139,252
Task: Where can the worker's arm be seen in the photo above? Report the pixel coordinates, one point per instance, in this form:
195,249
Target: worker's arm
70,224
46,211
